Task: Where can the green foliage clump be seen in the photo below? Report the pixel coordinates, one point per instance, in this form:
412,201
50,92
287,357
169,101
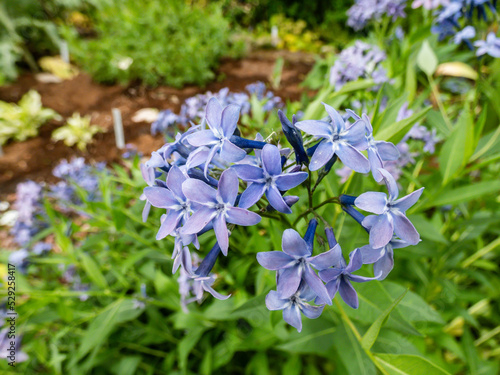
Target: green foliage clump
155,42
21,121
77,131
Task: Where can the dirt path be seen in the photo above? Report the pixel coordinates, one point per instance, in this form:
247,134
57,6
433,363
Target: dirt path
35,158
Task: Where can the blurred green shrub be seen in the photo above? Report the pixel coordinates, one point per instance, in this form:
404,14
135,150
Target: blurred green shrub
156,42
21,121
77,131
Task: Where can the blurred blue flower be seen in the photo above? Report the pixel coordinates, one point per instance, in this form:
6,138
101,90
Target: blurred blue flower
165,120
490,46
464,35
364,11
362,60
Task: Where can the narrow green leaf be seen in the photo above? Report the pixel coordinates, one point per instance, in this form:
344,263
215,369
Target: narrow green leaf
427,229
408,364
92,270
371,335
187,344
465,193
395,132
451,158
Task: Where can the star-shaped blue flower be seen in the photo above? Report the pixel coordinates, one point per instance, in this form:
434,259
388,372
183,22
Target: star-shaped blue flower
294,265
269,180
340,276
390,213
216,207
338,139
173,199
378,151
222,123
294,305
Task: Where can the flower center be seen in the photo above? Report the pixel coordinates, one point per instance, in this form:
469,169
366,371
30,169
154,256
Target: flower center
336,137
220,207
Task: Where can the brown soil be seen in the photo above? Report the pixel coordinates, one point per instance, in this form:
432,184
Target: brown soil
36,157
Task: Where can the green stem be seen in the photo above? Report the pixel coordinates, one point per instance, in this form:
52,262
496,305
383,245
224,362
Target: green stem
435,92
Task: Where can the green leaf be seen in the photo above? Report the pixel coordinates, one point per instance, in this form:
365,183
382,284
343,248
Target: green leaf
427,229
427,59
101,327
408,364
395,132
187,344
127,365
465,193
316,337
413,307
371,335
374,298
293,366
350,352
92,270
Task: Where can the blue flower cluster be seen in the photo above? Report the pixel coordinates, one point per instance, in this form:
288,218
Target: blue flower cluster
365,11
29,208
31,217
362,60
75,173
406,155
455,19
193,108
208,180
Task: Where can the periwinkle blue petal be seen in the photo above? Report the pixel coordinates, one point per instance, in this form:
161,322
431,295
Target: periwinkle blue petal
291,315
289,281
322,155
406,202
404,228
198,175
311,312
293,244
240,216
274,260
221,232
198,220
315,283
274,302
249,172
228,186
348,293
198,191
252,194
383,266
276,200
288,181
372,202
160,197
